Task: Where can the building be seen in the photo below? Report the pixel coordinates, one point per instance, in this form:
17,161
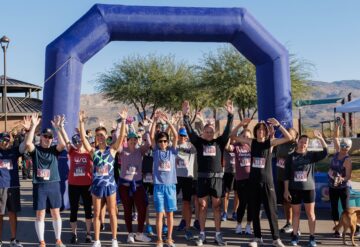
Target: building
19,102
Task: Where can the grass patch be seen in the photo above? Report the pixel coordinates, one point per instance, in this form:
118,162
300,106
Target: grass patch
323,166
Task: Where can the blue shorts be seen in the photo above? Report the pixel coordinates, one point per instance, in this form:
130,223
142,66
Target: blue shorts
165,198
44,193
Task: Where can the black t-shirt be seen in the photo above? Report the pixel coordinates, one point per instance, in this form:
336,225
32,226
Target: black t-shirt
209,153
282,152
261,169
299,169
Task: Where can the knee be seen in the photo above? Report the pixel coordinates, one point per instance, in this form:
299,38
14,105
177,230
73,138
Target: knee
202,205
216,206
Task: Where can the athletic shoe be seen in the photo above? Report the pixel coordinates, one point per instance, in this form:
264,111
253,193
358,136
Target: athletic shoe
14,243
238,229
149,230
141,237
1,243
278,243
196,225
114,243
234,216
201,240
42,244
130,238
97,244
287,228
248,229
219,240
88,238
188,235
181,226
337,234
256,242
224,216
59,244
312,242
74,239
294,240
159,243
134,216
170,243
164,229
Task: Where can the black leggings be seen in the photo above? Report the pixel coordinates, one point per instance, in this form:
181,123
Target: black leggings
335,194
241,190
75,191
263,193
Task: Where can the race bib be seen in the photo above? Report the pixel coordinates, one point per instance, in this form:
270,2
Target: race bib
6,164
258,163
79,171
43,173
209,150
148,178
280,163
164,166
300,176
181,164
131,170
102,170
245,162
232,158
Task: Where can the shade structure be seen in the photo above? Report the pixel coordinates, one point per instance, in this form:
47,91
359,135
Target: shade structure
352,106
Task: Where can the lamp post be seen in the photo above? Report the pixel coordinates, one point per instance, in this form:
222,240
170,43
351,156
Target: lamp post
4,41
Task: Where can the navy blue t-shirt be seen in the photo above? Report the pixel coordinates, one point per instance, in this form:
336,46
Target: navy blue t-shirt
9,172
45,164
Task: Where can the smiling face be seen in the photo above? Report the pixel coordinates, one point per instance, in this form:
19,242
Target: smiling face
302,144
46,140
132,142
208,133
261,131
100,137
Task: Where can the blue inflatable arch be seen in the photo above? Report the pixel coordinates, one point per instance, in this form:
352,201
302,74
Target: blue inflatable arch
67,54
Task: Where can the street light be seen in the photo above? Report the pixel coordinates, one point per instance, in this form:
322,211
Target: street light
4,41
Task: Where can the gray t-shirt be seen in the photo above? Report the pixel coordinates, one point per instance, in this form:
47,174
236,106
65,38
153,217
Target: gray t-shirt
299,169
185,160
282,152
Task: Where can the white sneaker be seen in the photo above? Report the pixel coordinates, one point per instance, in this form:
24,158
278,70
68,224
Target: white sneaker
238,229
141,237
97,244
278,243
130,238
256,242
114,243
248,230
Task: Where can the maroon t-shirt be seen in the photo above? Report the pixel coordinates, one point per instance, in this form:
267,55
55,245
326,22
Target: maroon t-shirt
242,161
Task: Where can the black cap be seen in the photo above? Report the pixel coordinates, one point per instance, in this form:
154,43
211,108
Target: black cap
47,132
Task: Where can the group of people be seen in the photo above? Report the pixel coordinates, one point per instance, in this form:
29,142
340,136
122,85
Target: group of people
166,157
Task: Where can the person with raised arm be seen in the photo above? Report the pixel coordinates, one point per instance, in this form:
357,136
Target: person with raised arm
79,180
164,177
210,171
261,178
299,183
103,183
46,178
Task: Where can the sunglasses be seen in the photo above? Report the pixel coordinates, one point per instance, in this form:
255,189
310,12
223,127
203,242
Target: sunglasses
344,146
183,135
162,141
47,137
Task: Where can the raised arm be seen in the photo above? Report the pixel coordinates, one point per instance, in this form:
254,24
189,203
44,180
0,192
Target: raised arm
336,134
186,111
152,130
226,134
84,140
319,155
145,147
63,134
27,125
56,122
172,129
29,145
286,135
115,146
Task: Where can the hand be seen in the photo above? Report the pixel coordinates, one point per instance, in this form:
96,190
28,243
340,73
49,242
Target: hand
287,196
246,121
26,123
157,115
82,116
101,124
35,120
317,134
56,122
273,122
62,121
229,107
186,108
164,117
124,114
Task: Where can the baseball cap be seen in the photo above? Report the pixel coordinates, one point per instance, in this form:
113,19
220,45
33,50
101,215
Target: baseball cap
76,139
132,135
4,136
47,132
182,132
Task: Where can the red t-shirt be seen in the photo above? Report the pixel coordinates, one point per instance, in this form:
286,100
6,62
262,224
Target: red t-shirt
80,168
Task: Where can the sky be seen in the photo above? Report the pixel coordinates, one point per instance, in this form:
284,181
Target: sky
325,33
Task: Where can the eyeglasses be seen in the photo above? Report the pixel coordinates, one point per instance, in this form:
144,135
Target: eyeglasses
183,135
47,137
162,141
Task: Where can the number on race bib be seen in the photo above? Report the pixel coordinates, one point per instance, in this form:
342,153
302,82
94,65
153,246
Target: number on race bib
148,178
209,150
245,162
181,163
258,163
164,166
43,173
6,164
102,170
300,176
79,172
280,163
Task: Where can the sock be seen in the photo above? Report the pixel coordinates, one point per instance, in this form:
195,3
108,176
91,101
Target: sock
57,224
40,229
217,233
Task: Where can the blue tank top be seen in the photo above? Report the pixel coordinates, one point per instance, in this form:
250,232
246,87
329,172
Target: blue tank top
338,168
103,172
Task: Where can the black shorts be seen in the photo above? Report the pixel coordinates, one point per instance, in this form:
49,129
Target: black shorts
149,188
186,185
305,196
229,182
210,187
10,200
280,192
